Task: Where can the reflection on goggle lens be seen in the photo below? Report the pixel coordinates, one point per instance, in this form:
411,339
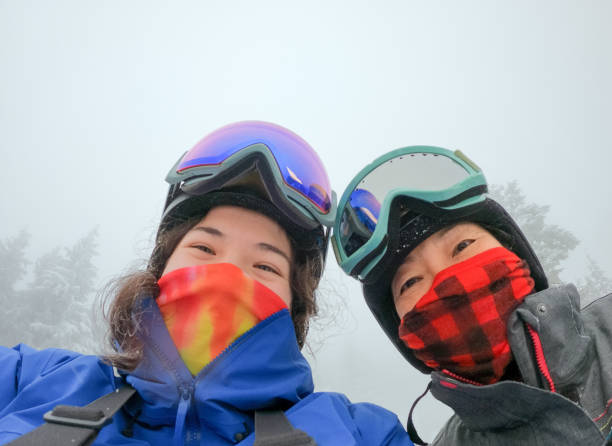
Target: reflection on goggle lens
416,172
366,206
298,163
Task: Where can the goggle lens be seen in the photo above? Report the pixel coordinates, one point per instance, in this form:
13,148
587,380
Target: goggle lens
415,171
298,163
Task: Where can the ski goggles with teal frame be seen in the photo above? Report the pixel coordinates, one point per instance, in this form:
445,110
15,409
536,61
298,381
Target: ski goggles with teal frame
426,180
260,155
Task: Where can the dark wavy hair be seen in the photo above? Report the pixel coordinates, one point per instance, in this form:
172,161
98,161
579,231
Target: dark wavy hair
123,296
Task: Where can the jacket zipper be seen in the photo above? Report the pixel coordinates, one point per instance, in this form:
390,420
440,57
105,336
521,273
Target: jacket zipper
461,378
190,433
242,338
540,360
191,436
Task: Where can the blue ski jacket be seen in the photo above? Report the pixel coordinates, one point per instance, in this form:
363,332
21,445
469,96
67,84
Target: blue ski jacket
262,369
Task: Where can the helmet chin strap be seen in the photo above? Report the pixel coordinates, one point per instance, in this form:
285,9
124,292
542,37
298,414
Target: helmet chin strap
410,428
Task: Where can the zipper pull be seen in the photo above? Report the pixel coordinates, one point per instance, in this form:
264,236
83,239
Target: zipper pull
181,415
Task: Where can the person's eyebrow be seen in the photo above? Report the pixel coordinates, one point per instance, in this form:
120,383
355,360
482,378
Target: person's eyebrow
268,247
442,232
209,230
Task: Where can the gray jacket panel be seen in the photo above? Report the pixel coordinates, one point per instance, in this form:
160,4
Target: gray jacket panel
577,346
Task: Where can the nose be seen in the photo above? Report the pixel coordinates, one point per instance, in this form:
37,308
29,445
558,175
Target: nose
435,265
434,262
237,260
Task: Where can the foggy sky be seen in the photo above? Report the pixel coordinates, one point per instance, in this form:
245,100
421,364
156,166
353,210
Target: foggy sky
99,99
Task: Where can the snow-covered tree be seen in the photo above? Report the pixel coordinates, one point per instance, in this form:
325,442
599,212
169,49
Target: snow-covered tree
13,262
552,243
13,267
595,284
54,309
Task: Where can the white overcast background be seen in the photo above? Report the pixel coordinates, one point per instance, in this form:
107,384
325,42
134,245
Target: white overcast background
99,99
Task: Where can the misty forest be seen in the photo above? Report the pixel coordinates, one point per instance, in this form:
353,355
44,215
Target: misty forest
50,301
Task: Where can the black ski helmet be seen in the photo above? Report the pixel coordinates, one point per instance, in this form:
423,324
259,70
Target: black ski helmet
377,288
259,166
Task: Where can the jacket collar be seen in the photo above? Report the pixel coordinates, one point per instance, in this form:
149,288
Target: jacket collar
502,405
554,314
262,368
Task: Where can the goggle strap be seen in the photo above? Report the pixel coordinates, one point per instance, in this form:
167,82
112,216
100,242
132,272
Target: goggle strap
369,257
472,192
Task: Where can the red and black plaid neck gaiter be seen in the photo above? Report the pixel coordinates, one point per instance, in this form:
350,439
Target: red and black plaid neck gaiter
459,325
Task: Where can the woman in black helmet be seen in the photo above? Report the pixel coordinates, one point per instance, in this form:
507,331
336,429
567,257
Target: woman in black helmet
458,289
208,337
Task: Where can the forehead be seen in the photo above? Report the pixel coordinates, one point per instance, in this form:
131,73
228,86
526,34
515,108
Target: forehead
241,225
458,228
233,218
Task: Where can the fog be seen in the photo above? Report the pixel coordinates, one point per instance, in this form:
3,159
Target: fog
99,99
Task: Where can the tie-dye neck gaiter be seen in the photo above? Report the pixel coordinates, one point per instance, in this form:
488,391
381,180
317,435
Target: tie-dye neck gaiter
207,307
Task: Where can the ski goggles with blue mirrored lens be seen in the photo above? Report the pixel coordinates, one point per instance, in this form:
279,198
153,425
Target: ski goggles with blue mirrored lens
426,180
259,155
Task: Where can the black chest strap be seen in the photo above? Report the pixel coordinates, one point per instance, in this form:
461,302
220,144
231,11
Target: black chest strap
79,426
272,428
74,425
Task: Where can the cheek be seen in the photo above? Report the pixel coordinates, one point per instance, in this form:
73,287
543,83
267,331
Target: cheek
171,264
283,290
404,304
493,243
276,284
408,301
181,259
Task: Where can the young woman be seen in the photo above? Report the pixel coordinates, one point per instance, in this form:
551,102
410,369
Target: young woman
458,289
209,335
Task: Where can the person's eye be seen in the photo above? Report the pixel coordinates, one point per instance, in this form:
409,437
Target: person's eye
267,268
408,283
462,245
205,248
